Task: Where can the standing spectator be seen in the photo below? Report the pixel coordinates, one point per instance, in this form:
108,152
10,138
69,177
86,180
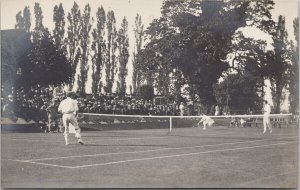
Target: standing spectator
58,92
226,110
43,113
30,92
266,119
9,109
87,109
217,110
53,115
212,110
182,109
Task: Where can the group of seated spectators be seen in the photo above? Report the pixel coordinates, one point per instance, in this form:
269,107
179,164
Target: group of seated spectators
110,104
32,104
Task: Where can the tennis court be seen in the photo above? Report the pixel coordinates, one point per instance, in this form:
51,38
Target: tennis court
219,157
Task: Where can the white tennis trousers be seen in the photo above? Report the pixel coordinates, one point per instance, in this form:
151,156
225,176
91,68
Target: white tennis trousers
67,119
266,122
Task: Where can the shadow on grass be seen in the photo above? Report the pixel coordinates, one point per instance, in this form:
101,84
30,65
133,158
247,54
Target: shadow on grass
216,137
147,145
143,135
105,136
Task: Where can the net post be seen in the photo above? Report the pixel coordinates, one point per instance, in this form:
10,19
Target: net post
170,124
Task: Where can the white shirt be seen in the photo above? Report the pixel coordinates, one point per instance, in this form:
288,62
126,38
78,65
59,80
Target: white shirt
68,105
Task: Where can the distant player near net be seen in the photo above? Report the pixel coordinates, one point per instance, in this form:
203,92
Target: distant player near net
69,108
266,119
207,122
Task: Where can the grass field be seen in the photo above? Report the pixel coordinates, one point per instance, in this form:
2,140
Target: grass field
219,157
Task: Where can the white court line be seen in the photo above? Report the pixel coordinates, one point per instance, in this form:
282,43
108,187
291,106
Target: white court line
151,158
154,137
264,178
124,139
40,163
153,150
106,138
115,139
177,155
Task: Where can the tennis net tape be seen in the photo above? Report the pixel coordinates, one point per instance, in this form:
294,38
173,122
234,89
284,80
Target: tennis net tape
124,122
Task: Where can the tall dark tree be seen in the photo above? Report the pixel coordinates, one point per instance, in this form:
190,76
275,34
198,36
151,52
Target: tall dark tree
14,45
279,62
73,39
110,66
23,21
239,93
195,38
27,18
147,68
118,88
258,13
294,71
40,31
157,60
39,55
86,27
99,50
20,21
138,34
249,56
145,92
123,47
44,64
49,66
197,42
59,28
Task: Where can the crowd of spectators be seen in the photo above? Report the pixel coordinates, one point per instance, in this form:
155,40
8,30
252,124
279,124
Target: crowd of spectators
111,104
32,104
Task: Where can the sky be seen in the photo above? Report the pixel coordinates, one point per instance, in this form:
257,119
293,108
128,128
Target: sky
148,9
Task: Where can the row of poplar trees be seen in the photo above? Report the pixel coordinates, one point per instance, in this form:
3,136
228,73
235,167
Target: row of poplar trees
105,46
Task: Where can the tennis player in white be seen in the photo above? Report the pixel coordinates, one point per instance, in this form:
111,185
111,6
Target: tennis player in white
207,121
266,119
69,108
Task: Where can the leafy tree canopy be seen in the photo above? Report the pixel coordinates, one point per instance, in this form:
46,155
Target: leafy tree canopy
46,66
239,93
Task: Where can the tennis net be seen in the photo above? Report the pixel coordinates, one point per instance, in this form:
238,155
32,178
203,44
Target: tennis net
102,122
